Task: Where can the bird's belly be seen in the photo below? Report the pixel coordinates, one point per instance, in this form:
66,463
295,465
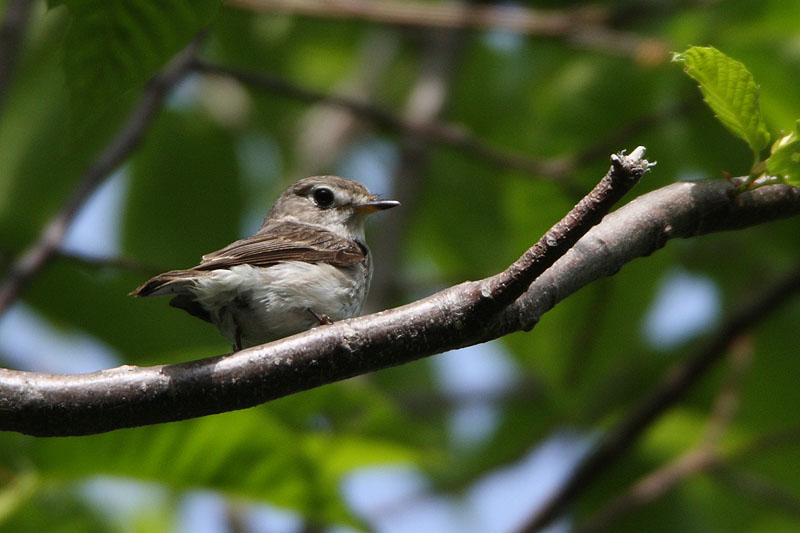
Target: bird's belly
267,303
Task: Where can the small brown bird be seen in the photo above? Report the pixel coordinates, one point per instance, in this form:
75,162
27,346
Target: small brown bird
308,264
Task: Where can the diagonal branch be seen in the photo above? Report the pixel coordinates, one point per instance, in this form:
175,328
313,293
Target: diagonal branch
704,456
582,27
441,132
51,404
757,489
28,265
127,396
558,169
652,486
12,35
667,393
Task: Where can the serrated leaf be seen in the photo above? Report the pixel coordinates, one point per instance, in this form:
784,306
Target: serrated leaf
785,159
731,92
247,454
112,47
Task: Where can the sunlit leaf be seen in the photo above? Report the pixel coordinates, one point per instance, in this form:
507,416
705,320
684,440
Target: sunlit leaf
785,158
731,92
113,46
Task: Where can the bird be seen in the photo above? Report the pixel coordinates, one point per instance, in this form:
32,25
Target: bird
307,265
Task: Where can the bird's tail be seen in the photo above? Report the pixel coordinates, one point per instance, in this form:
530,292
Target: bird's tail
167,283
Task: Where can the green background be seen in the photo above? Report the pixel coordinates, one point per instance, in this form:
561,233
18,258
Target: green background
195,184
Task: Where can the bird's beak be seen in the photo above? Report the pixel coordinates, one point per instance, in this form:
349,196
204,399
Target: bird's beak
378,205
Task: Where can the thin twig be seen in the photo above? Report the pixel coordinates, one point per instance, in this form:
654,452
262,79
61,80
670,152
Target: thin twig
757,488
582,27
704,456
556,169
440,132
650,487
28,265
726,403
624,173
668,392
780,438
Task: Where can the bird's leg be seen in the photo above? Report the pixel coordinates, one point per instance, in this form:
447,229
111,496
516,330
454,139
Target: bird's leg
223,315
238,344
322,319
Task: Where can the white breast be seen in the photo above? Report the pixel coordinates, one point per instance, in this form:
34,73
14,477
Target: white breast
267,303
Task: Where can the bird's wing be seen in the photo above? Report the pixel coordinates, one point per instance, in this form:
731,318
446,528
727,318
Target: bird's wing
286,242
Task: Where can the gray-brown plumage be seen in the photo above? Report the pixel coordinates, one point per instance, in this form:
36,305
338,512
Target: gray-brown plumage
308,263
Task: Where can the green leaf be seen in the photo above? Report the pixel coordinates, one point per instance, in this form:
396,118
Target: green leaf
250,454
731,92
112,47
785,159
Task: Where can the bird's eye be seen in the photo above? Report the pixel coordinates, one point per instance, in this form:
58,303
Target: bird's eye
323,197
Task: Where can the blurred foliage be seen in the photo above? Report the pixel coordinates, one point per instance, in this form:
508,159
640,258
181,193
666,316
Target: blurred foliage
191,189
112,47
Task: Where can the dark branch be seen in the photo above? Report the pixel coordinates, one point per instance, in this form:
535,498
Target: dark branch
582,27
667,393
650,487
445,133
625,172
705,455
46,404
130,135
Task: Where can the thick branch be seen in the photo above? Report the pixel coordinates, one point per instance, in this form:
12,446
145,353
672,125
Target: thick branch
48,404
130,135
478,303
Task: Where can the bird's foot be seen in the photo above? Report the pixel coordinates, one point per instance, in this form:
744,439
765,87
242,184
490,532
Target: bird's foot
322,319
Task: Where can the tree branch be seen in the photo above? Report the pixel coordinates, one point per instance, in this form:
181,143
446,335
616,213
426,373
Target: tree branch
127,139
704,456
670,390
757,488
49,404
583,27
441,132
652,486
